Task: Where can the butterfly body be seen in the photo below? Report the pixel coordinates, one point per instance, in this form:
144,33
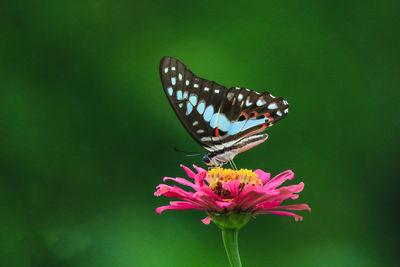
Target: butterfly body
224,121
220,157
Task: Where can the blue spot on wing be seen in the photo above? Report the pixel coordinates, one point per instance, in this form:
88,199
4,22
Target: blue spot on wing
170,90
208,113
252,123
179,95
189,108
200,107
220,121
236,127
213,119
193,100
240,126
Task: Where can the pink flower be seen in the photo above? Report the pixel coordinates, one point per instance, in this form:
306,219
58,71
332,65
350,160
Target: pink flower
225,191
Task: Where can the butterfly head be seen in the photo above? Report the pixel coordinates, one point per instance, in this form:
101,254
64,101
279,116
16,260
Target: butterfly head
217,158
213,160
206,160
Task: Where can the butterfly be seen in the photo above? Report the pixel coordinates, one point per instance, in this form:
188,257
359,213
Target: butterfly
224,121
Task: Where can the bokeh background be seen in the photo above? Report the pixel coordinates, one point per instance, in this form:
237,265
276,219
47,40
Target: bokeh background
86,132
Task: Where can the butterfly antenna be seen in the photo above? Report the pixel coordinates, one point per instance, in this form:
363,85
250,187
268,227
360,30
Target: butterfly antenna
188,154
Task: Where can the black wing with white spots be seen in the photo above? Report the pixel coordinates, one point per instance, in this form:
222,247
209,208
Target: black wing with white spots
217,117
191,97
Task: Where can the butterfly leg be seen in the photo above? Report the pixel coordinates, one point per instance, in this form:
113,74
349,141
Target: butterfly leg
233,165
230,163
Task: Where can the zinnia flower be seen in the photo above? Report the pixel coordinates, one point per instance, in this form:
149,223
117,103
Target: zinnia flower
221,191
231,198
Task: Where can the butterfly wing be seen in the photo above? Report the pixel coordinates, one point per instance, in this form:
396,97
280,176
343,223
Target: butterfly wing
193,99
245,112
217,117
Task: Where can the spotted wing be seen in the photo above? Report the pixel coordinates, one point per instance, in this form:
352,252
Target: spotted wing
195,100
245,112
215,116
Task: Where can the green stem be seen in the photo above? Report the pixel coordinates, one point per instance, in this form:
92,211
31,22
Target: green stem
230,237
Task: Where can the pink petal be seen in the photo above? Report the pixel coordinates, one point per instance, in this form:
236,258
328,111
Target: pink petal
263,176
249,198
197,198
212,205
296,188
189,172
159,210
254,195
269,205
247,192
161,189
174,191
198,169
244,194
251,204
232,187
295,207
226,204
279,179
205,190
178,203
199,178
284,213
283,194
180,181
206,220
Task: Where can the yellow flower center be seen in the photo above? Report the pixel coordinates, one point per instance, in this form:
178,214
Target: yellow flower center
218,176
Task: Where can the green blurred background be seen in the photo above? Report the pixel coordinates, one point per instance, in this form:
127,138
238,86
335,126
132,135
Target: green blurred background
86,132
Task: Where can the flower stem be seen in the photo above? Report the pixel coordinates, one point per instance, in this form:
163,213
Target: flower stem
230,237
